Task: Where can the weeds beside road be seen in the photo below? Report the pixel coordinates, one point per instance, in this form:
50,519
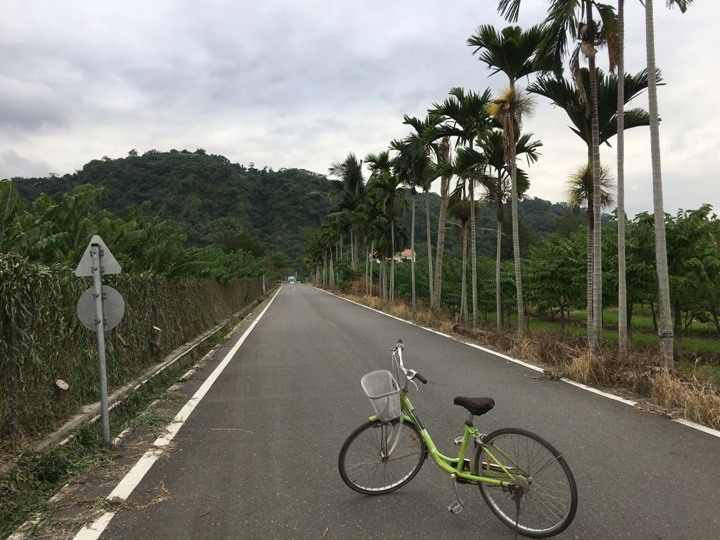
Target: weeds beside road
25,489
689,392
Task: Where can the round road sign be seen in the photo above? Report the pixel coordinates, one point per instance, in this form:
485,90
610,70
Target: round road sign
113,308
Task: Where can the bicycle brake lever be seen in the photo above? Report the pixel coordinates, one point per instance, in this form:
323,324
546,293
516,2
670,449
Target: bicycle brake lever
411,374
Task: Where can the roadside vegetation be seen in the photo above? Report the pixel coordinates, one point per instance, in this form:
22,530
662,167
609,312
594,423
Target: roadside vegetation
30,476
213,202
616,301
173,292
627,304
691,391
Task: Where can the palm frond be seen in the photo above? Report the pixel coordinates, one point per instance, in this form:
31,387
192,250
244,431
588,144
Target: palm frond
610,26
682,5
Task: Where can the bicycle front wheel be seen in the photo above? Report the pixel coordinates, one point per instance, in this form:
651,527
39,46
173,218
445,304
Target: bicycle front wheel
544,501
380,457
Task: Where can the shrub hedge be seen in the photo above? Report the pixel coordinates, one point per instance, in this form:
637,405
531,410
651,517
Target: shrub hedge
42,339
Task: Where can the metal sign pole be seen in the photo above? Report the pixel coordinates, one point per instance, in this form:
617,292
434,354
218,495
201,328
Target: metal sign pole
100,308
95,251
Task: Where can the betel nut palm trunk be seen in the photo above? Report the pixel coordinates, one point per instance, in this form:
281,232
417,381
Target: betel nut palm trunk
498,263
444,157
412,249
665,329
429,243
622,264
473,251
516,242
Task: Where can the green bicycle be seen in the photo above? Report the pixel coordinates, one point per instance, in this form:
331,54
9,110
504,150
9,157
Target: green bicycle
524,480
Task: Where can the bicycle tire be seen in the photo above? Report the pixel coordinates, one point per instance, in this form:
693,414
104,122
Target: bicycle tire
362,464
549,505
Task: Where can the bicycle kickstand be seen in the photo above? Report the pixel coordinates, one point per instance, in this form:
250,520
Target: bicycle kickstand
457,506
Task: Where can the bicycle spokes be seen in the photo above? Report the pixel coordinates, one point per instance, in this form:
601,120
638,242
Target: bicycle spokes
530,487
378,458
390,434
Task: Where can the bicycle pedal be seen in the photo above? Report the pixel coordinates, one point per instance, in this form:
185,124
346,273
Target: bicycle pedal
455,508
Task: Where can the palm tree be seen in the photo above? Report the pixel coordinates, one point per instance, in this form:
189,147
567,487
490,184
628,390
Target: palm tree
376,232
323,245
623,330
443,170
575,18
460,208
348,194
403,169
498,190
389,199
514,53
467,120
10,205
508,110
665,330
415,164
470,168
568,97
429,147
622,262
580,187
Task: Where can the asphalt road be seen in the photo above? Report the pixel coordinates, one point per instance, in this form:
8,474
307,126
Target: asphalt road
257,458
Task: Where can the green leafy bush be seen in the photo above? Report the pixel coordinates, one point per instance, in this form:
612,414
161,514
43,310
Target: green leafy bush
42,339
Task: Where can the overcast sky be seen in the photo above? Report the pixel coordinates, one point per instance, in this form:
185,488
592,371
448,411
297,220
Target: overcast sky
300,84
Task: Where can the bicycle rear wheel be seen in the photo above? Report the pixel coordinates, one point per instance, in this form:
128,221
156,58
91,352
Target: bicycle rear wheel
381,457
545,500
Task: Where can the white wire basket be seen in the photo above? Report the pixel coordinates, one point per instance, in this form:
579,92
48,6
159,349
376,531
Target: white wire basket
384,393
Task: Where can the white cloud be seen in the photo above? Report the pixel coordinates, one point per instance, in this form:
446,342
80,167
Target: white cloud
28,106
302,83
12,161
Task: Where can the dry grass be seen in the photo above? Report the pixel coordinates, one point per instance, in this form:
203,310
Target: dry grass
699,402
421,315
582,369
568,356
446,327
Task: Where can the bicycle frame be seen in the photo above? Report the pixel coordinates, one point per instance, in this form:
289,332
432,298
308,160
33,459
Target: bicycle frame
381,456
455,465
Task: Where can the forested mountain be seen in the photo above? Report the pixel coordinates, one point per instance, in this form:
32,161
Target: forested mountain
219,202
215,200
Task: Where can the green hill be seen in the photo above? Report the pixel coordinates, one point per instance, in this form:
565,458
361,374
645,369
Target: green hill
215,200
219,202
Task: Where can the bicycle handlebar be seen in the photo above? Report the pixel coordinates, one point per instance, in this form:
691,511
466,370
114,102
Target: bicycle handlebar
411,374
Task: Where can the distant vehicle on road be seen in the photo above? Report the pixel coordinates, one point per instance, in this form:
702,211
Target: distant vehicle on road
291,279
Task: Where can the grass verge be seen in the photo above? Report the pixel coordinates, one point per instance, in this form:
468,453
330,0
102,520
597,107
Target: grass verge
692,390
26,491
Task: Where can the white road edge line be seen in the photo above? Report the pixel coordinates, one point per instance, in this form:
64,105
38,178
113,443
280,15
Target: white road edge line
131,480
688,423
699,427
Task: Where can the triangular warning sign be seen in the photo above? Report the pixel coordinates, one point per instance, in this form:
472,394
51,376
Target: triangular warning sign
108,264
